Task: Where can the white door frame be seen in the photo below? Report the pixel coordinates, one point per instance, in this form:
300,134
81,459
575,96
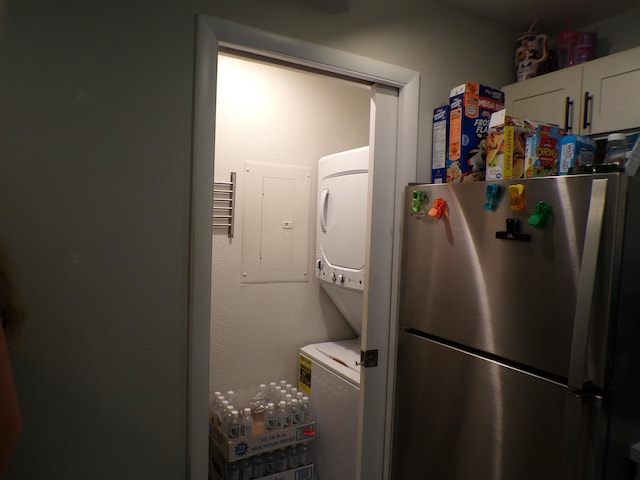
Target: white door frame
388,186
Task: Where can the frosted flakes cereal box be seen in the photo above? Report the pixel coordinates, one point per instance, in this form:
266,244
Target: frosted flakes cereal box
440,138
470,108
542,154
505,143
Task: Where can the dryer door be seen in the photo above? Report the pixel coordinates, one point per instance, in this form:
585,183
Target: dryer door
342,208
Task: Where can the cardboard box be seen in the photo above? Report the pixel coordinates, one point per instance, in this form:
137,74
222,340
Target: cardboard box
470,109
506,144
440,141
542,155
305,472
244,447
575,150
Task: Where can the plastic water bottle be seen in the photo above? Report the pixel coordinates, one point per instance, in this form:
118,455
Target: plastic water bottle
246,469
282,461
304,452
306,412
234,427
226,418
276,393
270,418
232,472
294,412
261,397
214,403
281,414
271,391
293,457
259,470
270,464
247,422
221,412
258,408
616,150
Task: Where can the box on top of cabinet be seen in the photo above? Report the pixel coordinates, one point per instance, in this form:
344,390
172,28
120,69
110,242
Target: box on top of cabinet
470,108
439,142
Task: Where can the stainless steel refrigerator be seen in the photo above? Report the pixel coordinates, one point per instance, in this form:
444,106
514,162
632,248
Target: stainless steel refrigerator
519,343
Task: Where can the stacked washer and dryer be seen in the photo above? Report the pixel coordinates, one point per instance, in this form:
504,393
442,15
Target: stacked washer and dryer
329,371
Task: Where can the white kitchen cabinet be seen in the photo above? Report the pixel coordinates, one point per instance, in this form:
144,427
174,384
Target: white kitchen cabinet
596,97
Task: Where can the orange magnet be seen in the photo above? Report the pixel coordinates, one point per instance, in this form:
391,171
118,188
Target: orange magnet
517,196
439,207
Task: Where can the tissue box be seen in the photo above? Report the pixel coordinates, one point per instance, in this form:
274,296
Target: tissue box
470,109
575,150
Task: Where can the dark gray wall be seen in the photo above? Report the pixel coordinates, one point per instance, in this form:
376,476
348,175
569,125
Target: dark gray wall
95,132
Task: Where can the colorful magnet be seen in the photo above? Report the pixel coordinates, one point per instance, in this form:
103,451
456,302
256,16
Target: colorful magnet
418,200
517,196
540,215
491,197
439,207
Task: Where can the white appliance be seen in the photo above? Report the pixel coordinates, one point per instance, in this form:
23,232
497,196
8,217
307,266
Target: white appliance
329,371
340,230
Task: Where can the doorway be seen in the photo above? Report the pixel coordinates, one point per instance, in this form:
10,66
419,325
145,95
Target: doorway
393,141
279,119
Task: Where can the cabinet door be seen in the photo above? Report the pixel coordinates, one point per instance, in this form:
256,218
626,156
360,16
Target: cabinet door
613,86
553,98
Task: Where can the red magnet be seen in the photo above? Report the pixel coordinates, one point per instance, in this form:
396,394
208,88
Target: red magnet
439,207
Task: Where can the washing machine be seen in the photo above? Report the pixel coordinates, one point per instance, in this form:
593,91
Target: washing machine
330,375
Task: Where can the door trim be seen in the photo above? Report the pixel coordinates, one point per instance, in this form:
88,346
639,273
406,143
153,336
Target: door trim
210,34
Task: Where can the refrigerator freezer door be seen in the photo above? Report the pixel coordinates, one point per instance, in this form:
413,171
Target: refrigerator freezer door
460,416
515,299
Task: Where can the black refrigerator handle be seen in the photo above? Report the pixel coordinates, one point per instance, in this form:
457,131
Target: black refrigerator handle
578,380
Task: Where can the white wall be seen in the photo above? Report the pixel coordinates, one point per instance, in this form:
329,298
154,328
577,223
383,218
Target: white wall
617,33
274,114
95,142
446,46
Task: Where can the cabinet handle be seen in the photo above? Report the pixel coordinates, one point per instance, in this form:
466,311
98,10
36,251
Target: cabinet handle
568,104
585,117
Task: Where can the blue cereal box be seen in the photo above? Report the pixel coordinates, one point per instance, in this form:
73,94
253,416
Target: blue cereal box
440,140
575,150
470,109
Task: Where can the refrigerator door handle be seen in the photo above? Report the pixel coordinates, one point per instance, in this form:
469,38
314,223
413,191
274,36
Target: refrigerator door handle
586,282
582,415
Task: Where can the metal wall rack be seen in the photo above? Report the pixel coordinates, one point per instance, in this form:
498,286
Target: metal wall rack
224,194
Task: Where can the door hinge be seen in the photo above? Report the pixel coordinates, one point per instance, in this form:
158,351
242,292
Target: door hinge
368,358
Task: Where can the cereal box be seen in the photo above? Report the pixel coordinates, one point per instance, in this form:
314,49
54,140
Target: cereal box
470,109
505,143
439,144
575,150
542,154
